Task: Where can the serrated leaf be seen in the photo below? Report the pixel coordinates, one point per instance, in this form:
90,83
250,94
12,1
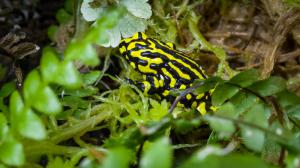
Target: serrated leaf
158,110
130,24
158,154
268,86
222,93
117,157
89,12
245,78
31,86
139,8
11,152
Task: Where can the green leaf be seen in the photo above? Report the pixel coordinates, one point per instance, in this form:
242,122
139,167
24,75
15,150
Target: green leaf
158,110
294,112
223,127
89,12
69,4
83,92
269,86
208,84
158,154
49,65
114,37
222,93
68,75
139,8
59,162
130,24
254,138
184,125
24,121
117,157
212,157
245,78
286,99
51,32
90,77
7,89
82,51
31,126
242,101
3,127
40,96
11,152
63,16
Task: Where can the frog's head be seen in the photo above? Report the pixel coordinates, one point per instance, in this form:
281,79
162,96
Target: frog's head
140,42
128,44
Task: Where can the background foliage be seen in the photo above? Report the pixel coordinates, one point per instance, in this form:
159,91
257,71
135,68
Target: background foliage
76,110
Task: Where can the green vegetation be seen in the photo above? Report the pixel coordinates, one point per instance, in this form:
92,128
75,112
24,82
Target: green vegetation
69,118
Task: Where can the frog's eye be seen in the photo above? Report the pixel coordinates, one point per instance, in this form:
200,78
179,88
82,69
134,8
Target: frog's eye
171,45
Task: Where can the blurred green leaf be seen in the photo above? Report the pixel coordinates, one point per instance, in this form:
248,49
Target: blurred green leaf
11,152
157,154
83,92
222,93
184,125
89,12
3,127
222,126
39,95
139,8
51,32
31,126
63,16
268,86
90,77
294,112
214,157
24,121
84,52
117,157
68,75
242,101
252,137
63,73
208,84
75,102
7,89
287,99
49,65
69,4
245,78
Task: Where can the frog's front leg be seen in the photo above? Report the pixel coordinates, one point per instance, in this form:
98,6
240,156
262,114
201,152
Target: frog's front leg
150,85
